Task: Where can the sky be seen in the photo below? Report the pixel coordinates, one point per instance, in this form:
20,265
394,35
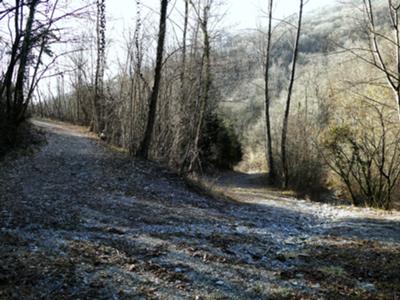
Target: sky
240,14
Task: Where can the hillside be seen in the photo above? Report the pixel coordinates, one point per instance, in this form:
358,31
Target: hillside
325,65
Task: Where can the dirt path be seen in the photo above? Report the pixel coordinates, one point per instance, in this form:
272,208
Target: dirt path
79,220
363,223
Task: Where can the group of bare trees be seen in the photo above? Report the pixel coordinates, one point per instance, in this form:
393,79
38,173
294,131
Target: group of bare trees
27,37
157,107
163,103
357,138
28,56
362,144
284,172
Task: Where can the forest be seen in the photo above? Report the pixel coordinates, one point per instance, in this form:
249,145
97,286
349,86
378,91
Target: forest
197,98
286,135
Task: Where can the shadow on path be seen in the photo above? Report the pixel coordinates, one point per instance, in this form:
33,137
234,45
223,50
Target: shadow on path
82,221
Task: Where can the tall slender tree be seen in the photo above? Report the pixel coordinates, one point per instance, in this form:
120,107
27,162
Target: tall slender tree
285,166
98,100
270,158
206,82
14,97
144,147
183,105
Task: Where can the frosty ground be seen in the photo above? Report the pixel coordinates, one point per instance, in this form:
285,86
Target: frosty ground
82,221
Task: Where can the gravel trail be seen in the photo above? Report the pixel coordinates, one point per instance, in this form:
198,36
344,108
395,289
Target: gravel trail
79,220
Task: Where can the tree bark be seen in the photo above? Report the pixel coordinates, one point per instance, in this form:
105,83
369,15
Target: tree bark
270,158
98,100
183,130
23,61
285,167
206,60
143,150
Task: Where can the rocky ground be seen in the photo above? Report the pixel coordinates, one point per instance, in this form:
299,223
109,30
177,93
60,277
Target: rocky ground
79,220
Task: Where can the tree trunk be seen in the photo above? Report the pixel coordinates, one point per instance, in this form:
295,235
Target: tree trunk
183,118
206,60
98,100
270,158
143,150
19,100
285,167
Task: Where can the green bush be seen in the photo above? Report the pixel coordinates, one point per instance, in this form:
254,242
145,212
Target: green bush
219,146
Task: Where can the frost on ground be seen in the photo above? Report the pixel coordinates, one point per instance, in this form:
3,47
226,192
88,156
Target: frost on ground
81,221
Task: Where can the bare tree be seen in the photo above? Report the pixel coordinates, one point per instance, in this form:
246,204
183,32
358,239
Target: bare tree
183,117
192,152
204,94
17,84
98,100
285,167
29,56
367,161
13,92
270,158
143,150
380,41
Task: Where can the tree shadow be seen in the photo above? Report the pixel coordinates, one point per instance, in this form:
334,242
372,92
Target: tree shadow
387,231
140,226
